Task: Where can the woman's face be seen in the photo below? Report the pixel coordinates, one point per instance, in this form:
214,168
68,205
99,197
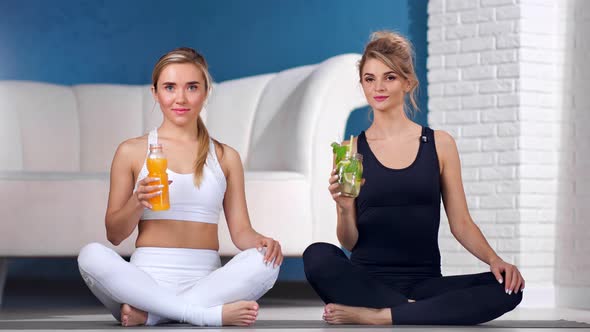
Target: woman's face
181,92
383,89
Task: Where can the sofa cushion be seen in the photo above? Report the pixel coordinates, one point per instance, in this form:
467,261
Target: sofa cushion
109,114
40,125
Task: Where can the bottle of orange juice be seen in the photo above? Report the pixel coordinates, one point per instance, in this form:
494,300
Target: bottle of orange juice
157,165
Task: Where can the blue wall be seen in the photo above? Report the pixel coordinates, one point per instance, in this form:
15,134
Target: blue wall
72,42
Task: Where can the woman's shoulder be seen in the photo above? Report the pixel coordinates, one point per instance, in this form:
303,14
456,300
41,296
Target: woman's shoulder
135,143
443,138
130,155
133,146
446,148
226,153
227,156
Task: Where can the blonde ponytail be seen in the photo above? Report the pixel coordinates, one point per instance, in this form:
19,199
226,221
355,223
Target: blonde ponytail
203,143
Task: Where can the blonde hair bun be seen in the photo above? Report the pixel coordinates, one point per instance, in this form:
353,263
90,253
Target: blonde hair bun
396,52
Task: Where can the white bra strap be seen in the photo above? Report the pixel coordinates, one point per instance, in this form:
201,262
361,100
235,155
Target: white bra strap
212,151
214,165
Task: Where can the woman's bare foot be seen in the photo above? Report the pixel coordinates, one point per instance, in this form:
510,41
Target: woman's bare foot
131,316
241,313
341,314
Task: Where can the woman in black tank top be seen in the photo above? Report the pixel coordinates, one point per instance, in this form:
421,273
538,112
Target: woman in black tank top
393,275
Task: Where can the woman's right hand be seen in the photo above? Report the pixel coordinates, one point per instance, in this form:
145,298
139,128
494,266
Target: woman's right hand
145,191
343,202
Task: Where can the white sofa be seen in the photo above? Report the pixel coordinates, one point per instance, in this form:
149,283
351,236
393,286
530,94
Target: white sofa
58,143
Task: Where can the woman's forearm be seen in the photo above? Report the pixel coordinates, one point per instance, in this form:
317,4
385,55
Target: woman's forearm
121,223
346,229
246,238
472,239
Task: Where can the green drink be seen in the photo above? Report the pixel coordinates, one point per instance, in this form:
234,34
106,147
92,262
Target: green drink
350,174
349,167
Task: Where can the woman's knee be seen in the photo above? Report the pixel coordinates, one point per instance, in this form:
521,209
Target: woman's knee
253,264
92,256
317,257
505,302
320,250
514,300
252,256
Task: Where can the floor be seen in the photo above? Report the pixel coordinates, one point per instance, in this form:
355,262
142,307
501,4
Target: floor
288,307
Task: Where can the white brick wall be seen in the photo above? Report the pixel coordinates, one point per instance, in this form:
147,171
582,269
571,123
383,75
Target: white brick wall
466,104
500,82
572,275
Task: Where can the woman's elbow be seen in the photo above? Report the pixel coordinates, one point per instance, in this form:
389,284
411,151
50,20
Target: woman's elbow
347,247
114,241
113,236
239,238
347,244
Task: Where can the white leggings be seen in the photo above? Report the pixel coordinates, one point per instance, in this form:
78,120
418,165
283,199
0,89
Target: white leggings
178,284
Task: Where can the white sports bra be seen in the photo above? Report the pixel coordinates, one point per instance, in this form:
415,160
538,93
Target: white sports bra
187,202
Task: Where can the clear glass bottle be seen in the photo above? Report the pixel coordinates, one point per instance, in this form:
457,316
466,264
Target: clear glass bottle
157,165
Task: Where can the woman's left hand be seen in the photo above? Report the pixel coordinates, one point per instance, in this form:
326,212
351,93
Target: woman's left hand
273,251
514,281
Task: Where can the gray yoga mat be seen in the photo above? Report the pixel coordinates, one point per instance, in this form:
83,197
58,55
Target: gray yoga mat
275,324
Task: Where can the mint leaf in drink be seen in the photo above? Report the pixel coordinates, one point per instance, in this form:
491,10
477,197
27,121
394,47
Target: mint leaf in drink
339,151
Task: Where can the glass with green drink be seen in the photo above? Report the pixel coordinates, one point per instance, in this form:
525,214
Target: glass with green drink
349,167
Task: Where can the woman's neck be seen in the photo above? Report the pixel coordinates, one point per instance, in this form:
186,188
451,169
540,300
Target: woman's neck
391,124
187,133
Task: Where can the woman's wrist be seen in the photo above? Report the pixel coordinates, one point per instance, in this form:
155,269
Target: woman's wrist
345,210
135,202
494,258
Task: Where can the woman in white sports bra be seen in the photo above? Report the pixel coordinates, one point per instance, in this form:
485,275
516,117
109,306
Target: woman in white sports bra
175,272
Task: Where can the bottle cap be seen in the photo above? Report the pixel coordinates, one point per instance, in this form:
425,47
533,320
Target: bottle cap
155,146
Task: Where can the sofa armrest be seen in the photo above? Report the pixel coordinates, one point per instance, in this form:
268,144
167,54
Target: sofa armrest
333,92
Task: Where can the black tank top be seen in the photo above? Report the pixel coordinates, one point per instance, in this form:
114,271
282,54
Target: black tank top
398,213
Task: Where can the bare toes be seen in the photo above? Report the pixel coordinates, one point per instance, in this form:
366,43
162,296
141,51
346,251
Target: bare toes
330,307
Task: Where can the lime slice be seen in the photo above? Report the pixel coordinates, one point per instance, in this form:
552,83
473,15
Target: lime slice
354,192
343,165
349,177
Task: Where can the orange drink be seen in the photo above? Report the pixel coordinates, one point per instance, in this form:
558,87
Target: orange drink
157,164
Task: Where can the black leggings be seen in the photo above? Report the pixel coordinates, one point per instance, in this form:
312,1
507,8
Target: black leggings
455,300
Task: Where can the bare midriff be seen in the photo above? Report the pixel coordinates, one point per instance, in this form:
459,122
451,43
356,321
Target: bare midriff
177,234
